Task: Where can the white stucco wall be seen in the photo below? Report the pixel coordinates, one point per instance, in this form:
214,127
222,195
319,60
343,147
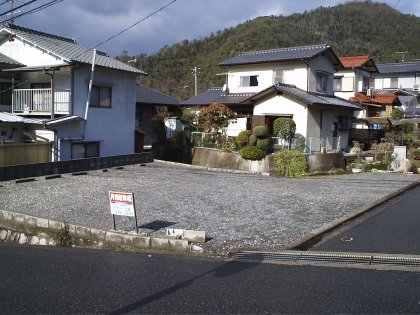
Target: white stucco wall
265,74
282,106
27,54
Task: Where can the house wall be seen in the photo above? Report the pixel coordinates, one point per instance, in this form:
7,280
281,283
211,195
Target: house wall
115,126
265,74
405,80
283,106
27,54
320,64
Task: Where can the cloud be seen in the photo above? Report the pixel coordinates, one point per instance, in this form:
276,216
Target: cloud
91,22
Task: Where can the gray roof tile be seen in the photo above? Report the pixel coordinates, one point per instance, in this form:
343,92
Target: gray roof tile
276,55
314,98
217,95
388,68
9,62
67,48
150,96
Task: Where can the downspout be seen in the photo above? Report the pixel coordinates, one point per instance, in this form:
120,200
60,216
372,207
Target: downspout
89,91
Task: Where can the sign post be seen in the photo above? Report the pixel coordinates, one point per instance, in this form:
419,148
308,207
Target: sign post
122,203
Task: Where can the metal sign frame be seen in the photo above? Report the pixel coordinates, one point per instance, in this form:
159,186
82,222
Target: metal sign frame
123,204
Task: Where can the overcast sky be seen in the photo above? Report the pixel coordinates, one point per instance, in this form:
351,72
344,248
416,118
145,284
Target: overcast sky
91,22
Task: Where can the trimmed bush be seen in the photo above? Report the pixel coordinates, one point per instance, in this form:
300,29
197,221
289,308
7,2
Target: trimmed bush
260,131
263,144
290,163
252,140
243,137
252,153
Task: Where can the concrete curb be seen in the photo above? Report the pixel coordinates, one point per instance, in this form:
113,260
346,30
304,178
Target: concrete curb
25,229
211,169
332,225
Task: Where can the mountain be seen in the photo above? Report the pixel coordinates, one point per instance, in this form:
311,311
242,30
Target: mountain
353,28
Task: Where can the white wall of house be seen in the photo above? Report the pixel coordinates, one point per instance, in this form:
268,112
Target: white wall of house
296,75
404,81
27,54
235,127
282,106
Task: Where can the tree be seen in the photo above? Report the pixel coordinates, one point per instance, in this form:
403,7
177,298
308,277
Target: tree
285,128
215,117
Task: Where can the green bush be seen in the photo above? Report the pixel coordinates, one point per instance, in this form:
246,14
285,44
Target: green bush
252,140
263,144
290,163
252,153
260,131
243,137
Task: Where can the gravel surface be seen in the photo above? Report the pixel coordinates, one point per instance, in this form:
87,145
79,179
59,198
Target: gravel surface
235,210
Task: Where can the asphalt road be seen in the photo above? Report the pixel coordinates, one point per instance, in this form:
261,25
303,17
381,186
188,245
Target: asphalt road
392,228
41,280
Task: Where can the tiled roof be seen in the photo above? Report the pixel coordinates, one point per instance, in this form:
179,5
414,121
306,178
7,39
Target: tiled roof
67,48
217,95
314,98
279,54
11,118
358,62
382,99
9,62
150,96
401,67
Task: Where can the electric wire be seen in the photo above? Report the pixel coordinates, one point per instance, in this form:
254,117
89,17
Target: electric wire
41,7
18,7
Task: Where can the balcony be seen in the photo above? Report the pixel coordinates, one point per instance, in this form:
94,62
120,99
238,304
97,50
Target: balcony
38,101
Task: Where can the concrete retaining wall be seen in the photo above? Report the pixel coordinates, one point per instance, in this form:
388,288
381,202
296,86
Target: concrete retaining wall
325,162
71,166
24,229
229,160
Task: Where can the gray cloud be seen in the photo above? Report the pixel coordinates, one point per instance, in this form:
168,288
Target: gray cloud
91,22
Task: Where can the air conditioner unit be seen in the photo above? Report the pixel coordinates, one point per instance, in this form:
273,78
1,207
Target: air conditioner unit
369,92
416,87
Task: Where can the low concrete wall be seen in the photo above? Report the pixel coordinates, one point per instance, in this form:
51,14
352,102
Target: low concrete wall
71,166
324,162
25,229
229,160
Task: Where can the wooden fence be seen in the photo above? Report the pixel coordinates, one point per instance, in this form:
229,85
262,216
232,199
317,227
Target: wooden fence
24,153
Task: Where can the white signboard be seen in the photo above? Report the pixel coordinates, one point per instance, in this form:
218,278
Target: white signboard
122,203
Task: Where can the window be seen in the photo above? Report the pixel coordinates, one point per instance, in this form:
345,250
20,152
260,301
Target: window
394,83
372,83
343,84
390,83
250,80
6,93
283,76
84,150
322,82
100,96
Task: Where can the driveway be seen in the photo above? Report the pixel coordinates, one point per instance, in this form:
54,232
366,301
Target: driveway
237,211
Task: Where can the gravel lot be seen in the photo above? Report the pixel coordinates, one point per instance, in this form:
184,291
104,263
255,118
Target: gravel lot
235,210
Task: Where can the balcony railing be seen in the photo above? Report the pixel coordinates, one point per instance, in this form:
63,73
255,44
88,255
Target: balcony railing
38,101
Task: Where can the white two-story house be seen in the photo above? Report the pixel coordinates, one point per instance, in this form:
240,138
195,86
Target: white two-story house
45,83
295,82
402,75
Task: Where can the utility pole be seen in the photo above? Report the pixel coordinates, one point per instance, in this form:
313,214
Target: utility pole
195,72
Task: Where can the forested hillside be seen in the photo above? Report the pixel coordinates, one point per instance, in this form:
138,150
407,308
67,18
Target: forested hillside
354,28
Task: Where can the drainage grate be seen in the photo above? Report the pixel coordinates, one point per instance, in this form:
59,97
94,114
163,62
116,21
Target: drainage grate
337,258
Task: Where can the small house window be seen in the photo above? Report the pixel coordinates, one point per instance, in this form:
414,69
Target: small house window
249,80
85,150
322,82
394,83
100,96
343,84
283,76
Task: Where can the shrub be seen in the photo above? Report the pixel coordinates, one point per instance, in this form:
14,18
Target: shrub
285,128
252,140
263,144
260,131
252,153
290,163
243,137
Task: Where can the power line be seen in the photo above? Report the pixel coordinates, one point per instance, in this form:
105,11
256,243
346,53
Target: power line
395,5
17,8
41,7
131,26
